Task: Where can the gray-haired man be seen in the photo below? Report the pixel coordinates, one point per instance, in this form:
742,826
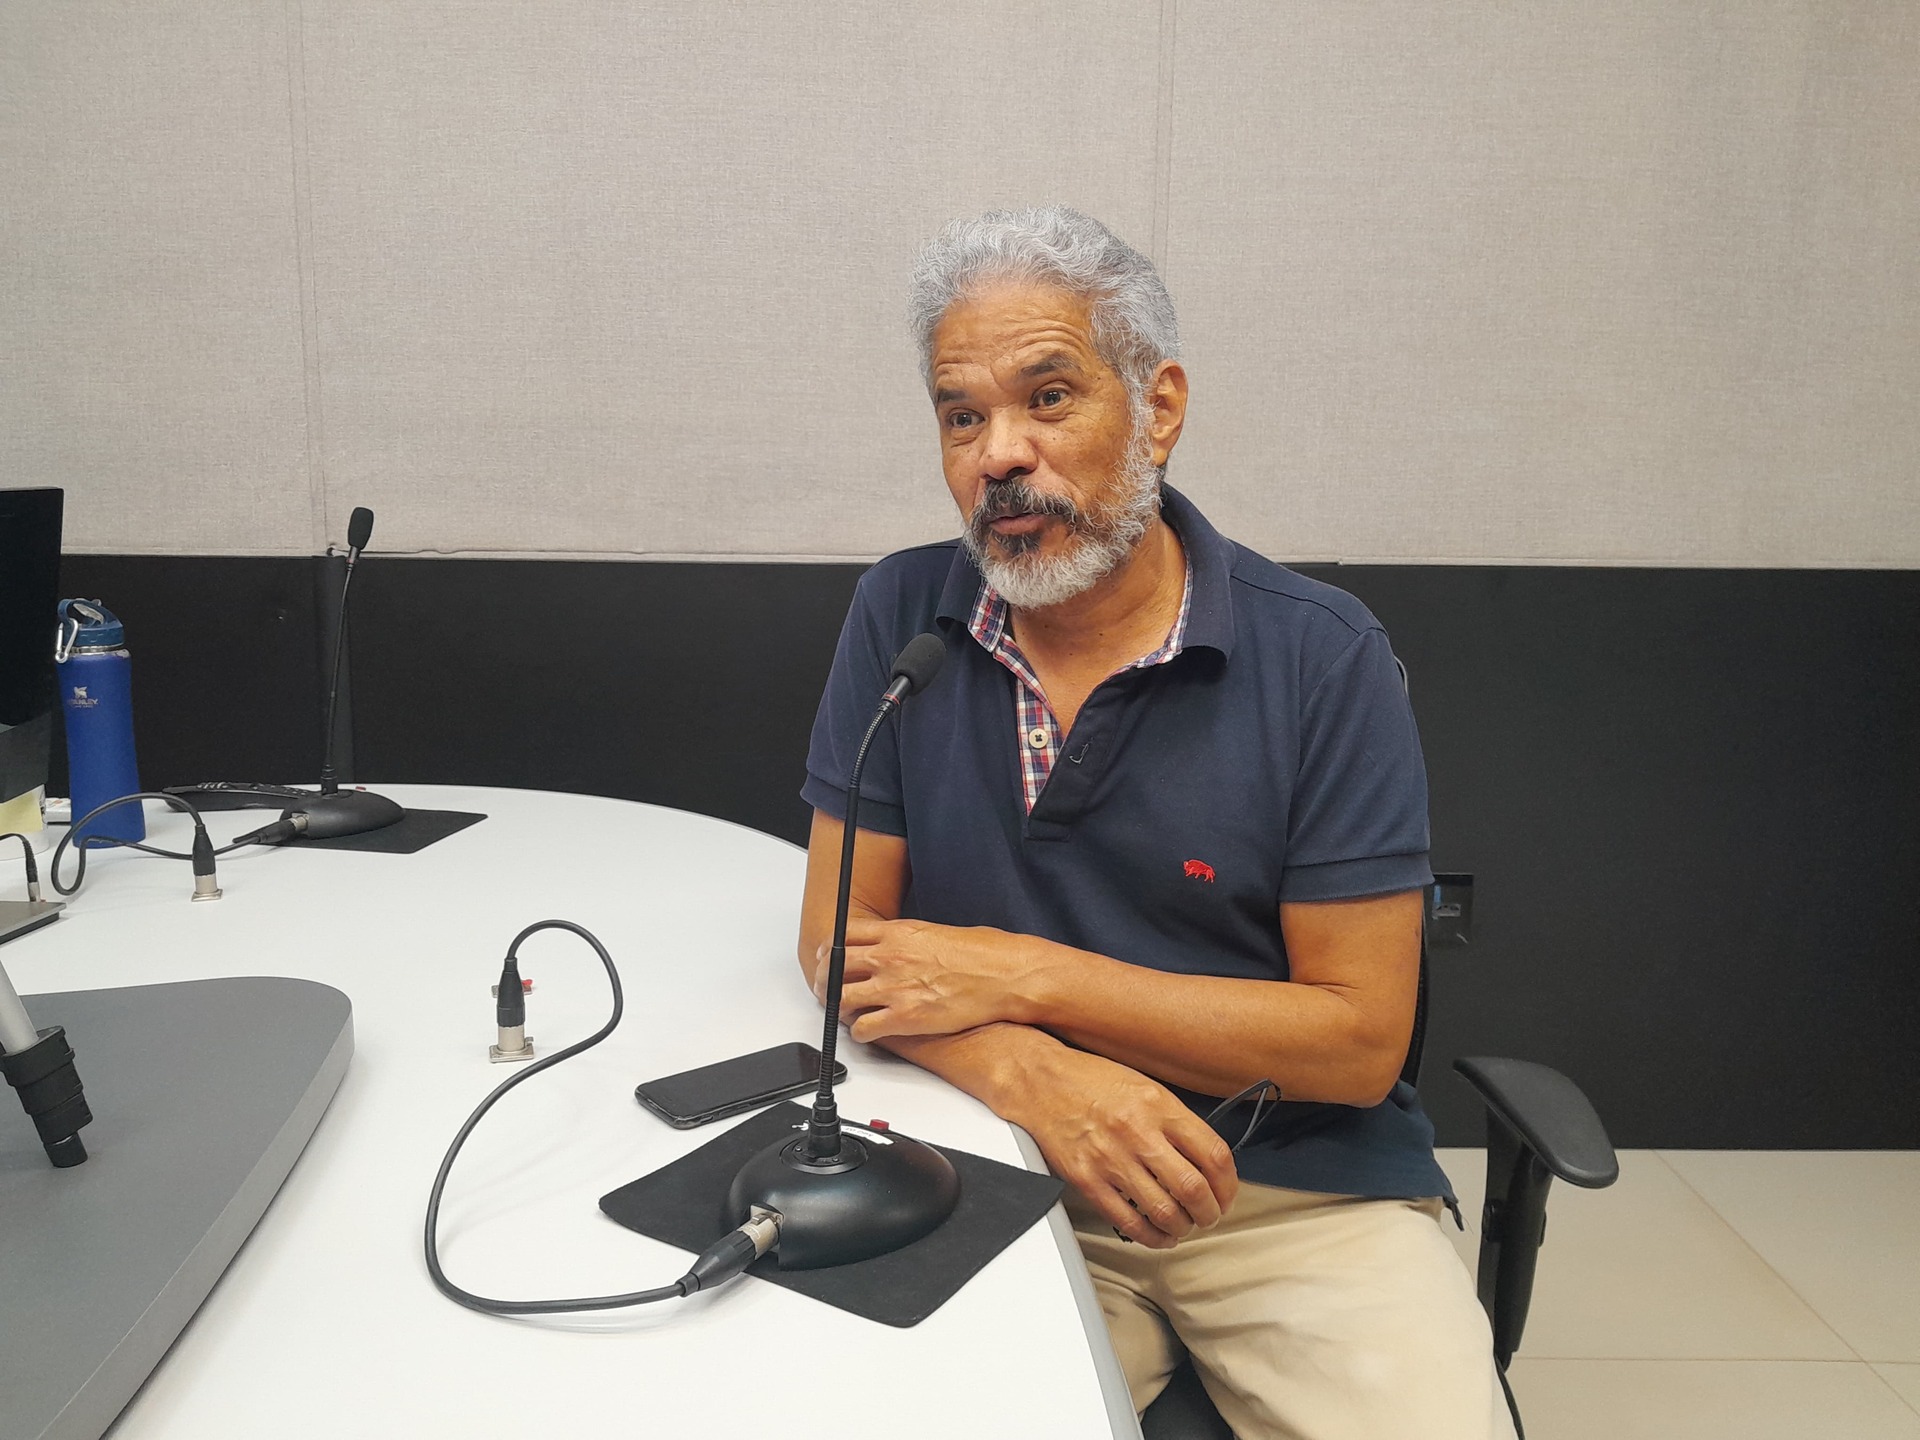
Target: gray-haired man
1157,837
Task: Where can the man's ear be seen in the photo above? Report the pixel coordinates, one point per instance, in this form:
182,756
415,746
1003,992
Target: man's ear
1167,396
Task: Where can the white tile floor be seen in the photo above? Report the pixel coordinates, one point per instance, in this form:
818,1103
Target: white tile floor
1720,1294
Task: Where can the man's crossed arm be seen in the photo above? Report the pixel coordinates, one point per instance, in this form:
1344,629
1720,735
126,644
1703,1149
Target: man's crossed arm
1066,1043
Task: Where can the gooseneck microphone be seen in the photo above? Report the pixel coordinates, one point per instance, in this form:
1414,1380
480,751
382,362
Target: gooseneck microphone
334,812
359,532
842,1198
305,813
913,670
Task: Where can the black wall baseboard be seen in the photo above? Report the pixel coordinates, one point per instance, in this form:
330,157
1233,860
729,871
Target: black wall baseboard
1690,798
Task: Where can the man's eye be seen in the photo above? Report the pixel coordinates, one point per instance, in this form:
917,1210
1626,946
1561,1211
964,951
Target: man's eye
961,420
1052,395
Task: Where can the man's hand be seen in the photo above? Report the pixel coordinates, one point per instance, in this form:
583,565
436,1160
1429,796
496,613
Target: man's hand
1152,1167
905,977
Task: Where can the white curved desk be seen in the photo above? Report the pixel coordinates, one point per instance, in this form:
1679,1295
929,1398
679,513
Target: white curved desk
326,1323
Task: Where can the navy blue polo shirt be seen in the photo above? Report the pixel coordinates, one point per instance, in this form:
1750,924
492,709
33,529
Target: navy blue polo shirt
1277,750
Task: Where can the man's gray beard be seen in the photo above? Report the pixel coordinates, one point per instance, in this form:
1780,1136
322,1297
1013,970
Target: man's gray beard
1100,540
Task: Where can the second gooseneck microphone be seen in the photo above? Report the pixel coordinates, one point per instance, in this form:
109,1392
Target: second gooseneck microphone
335,811
330,811
359,532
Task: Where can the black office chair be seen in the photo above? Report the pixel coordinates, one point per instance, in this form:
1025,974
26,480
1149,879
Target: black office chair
1539,1125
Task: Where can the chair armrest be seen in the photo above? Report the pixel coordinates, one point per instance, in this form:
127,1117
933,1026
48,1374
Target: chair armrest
1549,1113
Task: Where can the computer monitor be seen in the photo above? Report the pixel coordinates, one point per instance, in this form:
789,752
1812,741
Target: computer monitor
29,591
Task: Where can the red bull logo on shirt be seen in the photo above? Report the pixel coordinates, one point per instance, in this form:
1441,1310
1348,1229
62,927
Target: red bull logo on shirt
1198,870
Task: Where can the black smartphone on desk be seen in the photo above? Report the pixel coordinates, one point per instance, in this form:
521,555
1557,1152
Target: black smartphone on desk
746,1082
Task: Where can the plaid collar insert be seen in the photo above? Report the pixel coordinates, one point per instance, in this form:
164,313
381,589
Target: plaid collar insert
1036,731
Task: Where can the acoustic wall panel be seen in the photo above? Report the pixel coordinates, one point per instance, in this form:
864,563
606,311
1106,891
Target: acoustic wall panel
1848,488
150,342
1634,282
629,280
1485,282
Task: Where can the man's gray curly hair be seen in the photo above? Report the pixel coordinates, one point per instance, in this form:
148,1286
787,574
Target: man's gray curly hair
1134,327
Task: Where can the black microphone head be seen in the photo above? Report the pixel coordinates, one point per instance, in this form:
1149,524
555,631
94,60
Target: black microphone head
359,528
920,661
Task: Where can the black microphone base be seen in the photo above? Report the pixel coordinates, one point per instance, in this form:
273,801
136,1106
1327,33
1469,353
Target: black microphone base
879,1193
346,812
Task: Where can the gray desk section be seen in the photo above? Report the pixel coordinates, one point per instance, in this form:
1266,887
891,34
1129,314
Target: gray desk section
204,1093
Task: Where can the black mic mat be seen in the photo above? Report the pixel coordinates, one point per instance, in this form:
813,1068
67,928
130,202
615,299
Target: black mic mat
685,1204
408,835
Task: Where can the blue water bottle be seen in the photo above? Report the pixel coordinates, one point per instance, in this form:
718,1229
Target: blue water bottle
96,692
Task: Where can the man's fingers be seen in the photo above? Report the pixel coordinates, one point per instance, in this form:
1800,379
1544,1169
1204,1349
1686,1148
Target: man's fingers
857,968
1146,1194
1142,1198
850,981
1168,1189
1118,1210
1193,1193
865,930
856,951
864,998
1211,1165
856,1006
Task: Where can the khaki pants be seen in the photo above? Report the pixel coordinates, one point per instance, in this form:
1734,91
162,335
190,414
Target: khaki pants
1308,1317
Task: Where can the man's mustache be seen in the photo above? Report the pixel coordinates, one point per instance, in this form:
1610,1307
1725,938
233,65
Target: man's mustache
1012,497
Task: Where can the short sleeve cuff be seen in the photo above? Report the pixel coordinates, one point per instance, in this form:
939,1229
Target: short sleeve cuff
875,815
1346,879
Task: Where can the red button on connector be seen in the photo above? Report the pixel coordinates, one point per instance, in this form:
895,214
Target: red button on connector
878,1125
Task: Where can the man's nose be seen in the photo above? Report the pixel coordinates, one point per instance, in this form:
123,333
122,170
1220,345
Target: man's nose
1008,453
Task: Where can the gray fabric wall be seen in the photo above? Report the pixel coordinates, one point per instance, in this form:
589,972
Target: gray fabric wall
1624,283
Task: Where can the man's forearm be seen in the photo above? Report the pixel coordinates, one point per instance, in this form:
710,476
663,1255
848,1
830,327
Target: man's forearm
993,1063
1200,1032
1212,1034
